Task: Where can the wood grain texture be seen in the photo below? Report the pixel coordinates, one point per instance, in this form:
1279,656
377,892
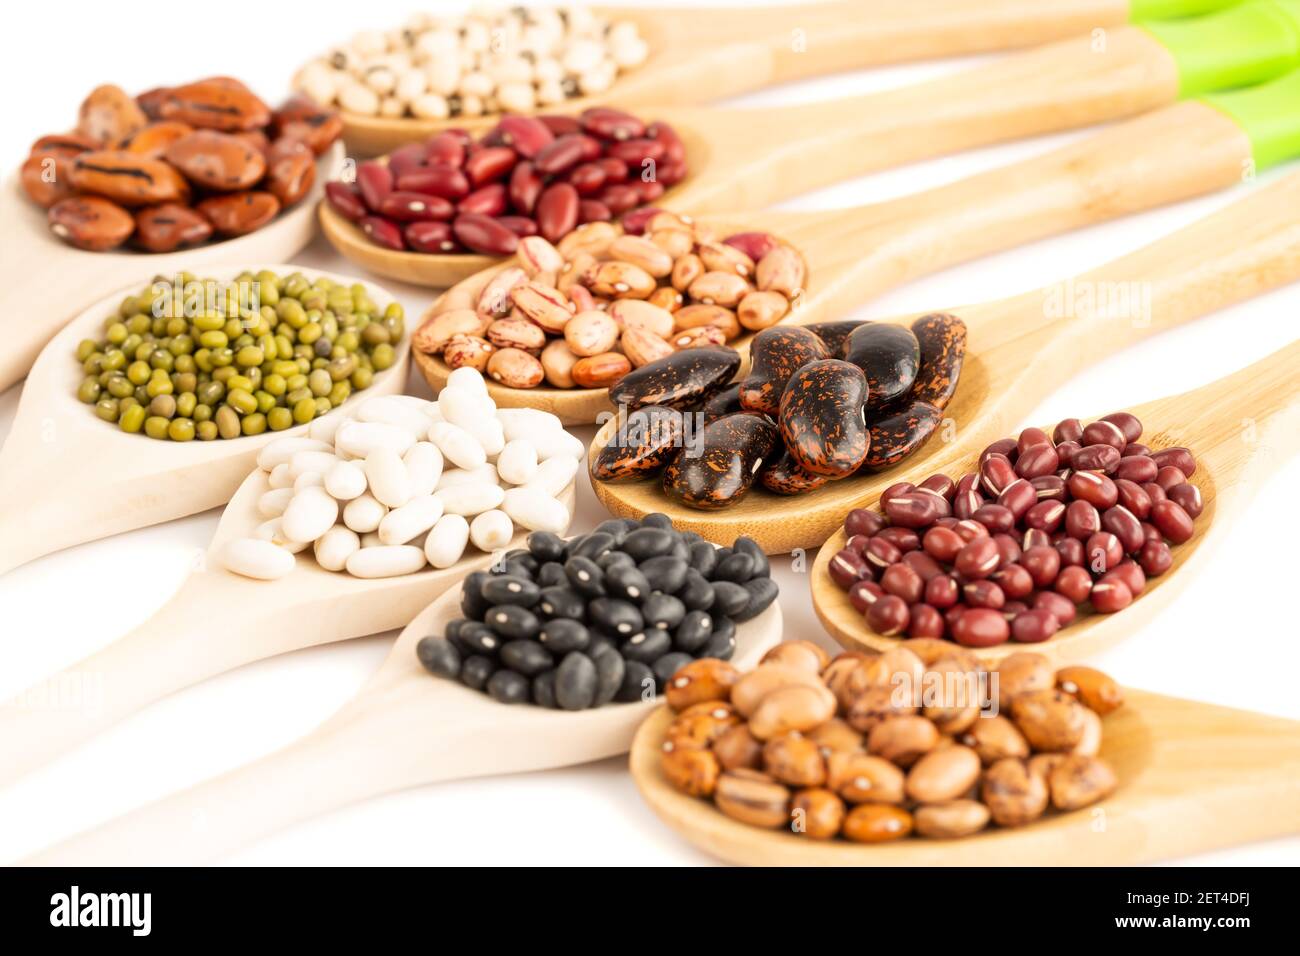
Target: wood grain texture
61,464
56,281
714,53
405,728
1193,777
1020,348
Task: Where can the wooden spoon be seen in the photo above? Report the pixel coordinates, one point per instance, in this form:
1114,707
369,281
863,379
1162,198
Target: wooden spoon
1193,777
746,159
190,638
1018,349
67,477
710,54
1240,429
404,728
36,265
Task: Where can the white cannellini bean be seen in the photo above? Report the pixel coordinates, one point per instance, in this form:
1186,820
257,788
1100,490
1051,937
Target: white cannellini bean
385,562
363,513
553,476
371,540
452,477
535,511
557,444
463,407
460,447
310,514
491,530
346,480
280,476
517,462
391,410
282,449
445,543
323,429
271,531
309,479
468,379
411,520
386,474
470,499
335,546
526,422
307,462
424,467
359,439
256,559
433,413
490,436
273,503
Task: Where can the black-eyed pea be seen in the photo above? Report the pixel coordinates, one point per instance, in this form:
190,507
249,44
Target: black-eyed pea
720,257
791,708
641,252
752,797
748,692
1079,780
1020,673
557,364
691,770
698,337
515,333
600,371
761,310
1014,795
782,270
950,819
619,280
719,288
686,269
1094,689
1051,720
836,736
995,738
431,337
471,351
863,778
877,823
943,774
545,305
515,368
643,347
803,654
816,813
737,748
700,681
642,314
795,760
902,740
495,300
591,333
675,242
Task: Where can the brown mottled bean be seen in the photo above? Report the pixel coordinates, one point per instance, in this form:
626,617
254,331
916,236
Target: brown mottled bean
236,214
89,222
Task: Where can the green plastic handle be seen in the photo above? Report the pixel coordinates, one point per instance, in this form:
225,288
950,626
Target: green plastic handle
1173,9
1245,45
1269,114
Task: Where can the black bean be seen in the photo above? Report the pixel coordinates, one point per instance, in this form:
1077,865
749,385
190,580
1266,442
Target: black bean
591,545
544,689
575,682
762,567
647,646
663,611
638,679
562,602
439,656
657,520
762,592
665,573
723,625
694,632
645,543
668,665
615,617
696,593
614,559
609,675
452,633
476,670
479,638
511,589
529,658
507,687
550,574
730,598
520,557
627,582
563,635
512,621
515,567
472,603
545,546
737,567
724,552
690,537
614,527
585,576
681,549
598,644
720,645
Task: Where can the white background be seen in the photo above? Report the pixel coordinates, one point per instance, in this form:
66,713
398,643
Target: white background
1231,638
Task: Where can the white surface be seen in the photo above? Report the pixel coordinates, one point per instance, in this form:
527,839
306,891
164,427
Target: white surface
1231,640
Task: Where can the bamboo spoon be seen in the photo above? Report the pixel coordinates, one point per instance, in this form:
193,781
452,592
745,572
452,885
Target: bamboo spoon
1240,429
183,644
34,264
710,54
67,477
1193,777
1018,349
404,728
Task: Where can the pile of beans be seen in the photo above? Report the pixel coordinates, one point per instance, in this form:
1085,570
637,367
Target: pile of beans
604,302
238,358
175,166
1010,551
874,749
527,176
607,616
798,420
409,483
438,66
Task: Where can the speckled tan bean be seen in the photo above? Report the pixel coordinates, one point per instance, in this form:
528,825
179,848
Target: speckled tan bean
515,368
591,333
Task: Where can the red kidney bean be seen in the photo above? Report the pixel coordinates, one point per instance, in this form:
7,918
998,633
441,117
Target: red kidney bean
983,594
1103,551
753,244
437,180
430,236
1018,497
592,210
1059,606
1074,583
1104,433
848,567
1110,595
1188,497
526,134
1042,563
610,123
1174,523
560,125
670,174
375,181
520,225
1168,476
996,472
1155,558
881,553
1096,489
996,518
489,164
525,187
1130,572
562,154
1014,580
904,539
978,559
903,581
1128,424
1070,550
648,190
1131,496
1049,488
1035,538
970,529
674,148
864,593
924,565
966,503
620,198
484,235
941,485
616,172
406,159
587,178
557,211
1125,526
383,232
1069,429
1082,519
1096,457
1178,457
942,544
1045,516
980,627
447,148
925,621
1037,461
635,222
637,152
913,510
1034,627
1008,549
941,592
888,615
863,521
414,207
1138,468
490,200
346,200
